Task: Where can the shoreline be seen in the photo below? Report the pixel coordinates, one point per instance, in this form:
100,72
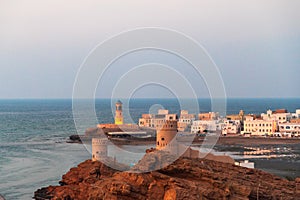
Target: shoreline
237,140
222,140
235,145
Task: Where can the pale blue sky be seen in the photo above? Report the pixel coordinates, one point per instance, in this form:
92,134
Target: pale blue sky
255,44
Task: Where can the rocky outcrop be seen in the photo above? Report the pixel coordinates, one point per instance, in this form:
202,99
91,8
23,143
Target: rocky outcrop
186,178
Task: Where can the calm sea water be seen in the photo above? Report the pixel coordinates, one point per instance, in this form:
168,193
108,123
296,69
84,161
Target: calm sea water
33,152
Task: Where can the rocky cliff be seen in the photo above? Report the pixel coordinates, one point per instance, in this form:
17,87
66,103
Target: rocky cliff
186,178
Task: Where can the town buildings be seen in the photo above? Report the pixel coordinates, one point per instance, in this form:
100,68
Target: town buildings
289,129
296,115
204,126
231,127
259,127
165,126
274,123
208,116
280,115
207,122
239,116
185,121
154,120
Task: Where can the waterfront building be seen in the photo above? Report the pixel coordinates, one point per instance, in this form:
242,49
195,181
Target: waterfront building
99,148
289,129
280,115
208,116
155,120
202,126
239,116
185,121
146,120
119,113
260,127
231,127
296,115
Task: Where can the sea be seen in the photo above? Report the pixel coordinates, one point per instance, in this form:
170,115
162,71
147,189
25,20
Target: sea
33,135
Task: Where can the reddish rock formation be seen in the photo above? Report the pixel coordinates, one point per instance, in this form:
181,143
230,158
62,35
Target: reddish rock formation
186,178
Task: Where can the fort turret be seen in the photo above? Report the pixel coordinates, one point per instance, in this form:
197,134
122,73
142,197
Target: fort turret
99,148
166,136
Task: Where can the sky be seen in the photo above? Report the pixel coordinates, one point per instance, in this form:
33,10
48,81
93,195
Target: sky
255,44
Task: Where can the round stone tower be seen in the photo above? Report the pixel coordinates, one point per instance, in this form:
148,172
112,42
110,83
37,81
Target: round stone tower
99,149
119,114
165,136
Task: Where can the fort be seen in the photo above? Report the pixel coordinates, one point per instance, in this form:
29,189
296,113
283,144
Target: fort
166,136
99,148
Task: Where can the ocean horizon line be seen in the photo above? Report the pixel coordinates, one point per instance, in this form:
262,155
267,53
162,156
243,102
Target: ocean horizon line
145,98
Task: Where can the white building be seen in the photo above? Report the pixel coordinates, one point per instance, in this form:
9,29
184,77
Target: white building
154,120
185,121
231,127
280,115
296,115
260,127
289,129
201,126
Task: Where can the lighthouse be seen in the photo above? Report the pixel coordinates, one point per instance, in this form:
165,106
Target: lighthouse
119,114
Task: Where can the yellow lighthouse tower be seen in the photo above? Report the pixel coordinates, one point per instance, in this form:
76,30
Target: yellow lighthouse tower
119,114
